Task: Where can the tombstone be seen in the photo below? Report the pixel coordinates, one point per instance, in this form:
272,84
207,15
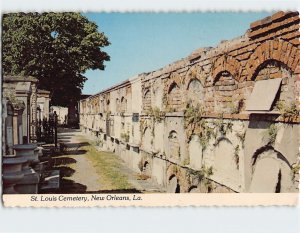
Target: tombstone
19,107
194,190
173,186
147,168
146,139
271,174
174,145
29,183
195,152
12,173
225,167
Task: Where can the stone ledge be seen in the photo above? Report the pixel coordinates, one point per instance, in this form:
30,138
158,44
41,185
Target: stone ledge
12,78
175,114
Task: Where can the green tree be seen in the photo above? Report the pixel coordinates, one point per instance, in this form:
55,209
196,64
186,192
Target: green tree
56,48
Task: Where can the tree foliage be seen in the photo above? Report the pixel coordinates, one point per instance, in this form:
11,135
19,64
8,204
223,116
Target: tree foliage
56,48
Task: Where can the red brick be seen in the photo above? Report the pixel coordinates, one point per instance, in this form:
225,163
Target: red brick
276,75
277,15
297,70
294,52
291,35
255,24
279,32
287,54
284,46
295,41
291,61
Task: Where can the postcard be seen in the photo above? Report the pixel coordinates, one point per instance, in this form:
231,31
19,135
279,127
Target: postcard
150,109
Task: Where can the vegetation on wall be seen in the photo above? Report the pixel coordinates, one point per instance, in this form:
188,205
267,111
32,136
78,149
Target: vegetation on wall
241,136
235,108
222,127
295,170
107,114
202,175
165,98
193,115
236,156
287,110
205,130
186,161
125,136
196,125
271,134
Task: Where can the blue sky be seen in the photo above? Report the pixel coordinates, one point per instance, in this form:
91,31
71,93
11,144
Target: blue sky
143,42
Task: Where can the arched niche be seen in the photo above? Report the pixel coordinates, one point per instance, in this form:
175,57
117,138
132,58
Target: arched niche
146,168
147,100
225,163
173,185
224,87
174,148
123,104
174,96
195,152
228,64
272,50
271,172
157,94
101,105
195,91
108,105
117,105
193,189
272,69
147,138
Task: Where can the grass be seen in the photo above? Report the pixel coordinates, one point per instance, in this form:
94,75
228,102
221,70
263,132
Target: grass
108,167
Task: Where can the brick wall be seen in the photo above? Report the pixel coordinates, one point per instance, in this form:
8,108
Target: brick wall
227,73
219,81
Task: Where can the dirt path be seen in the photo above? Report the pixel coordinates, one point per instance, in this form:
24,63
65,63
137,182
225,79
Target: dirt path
84,169
85,173
77,171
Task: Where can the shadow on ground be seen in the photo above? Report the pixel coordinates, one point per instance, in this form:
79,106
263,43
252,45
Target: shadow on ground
62,162
57,161
66,171
70,187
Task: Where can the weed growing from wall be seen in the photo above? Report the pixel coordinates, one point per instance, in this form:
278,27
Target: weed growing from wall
202,175
241,137
156,114
186,161
236,155
287,110
193,115
107,114
295,171
271,134
125,136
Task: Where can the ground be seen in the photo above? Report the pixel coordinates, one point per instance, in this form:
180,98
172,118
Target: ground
86,169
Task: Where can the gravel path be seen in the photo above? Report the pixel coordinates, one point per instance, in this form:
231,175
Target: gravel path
84,171
78,173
